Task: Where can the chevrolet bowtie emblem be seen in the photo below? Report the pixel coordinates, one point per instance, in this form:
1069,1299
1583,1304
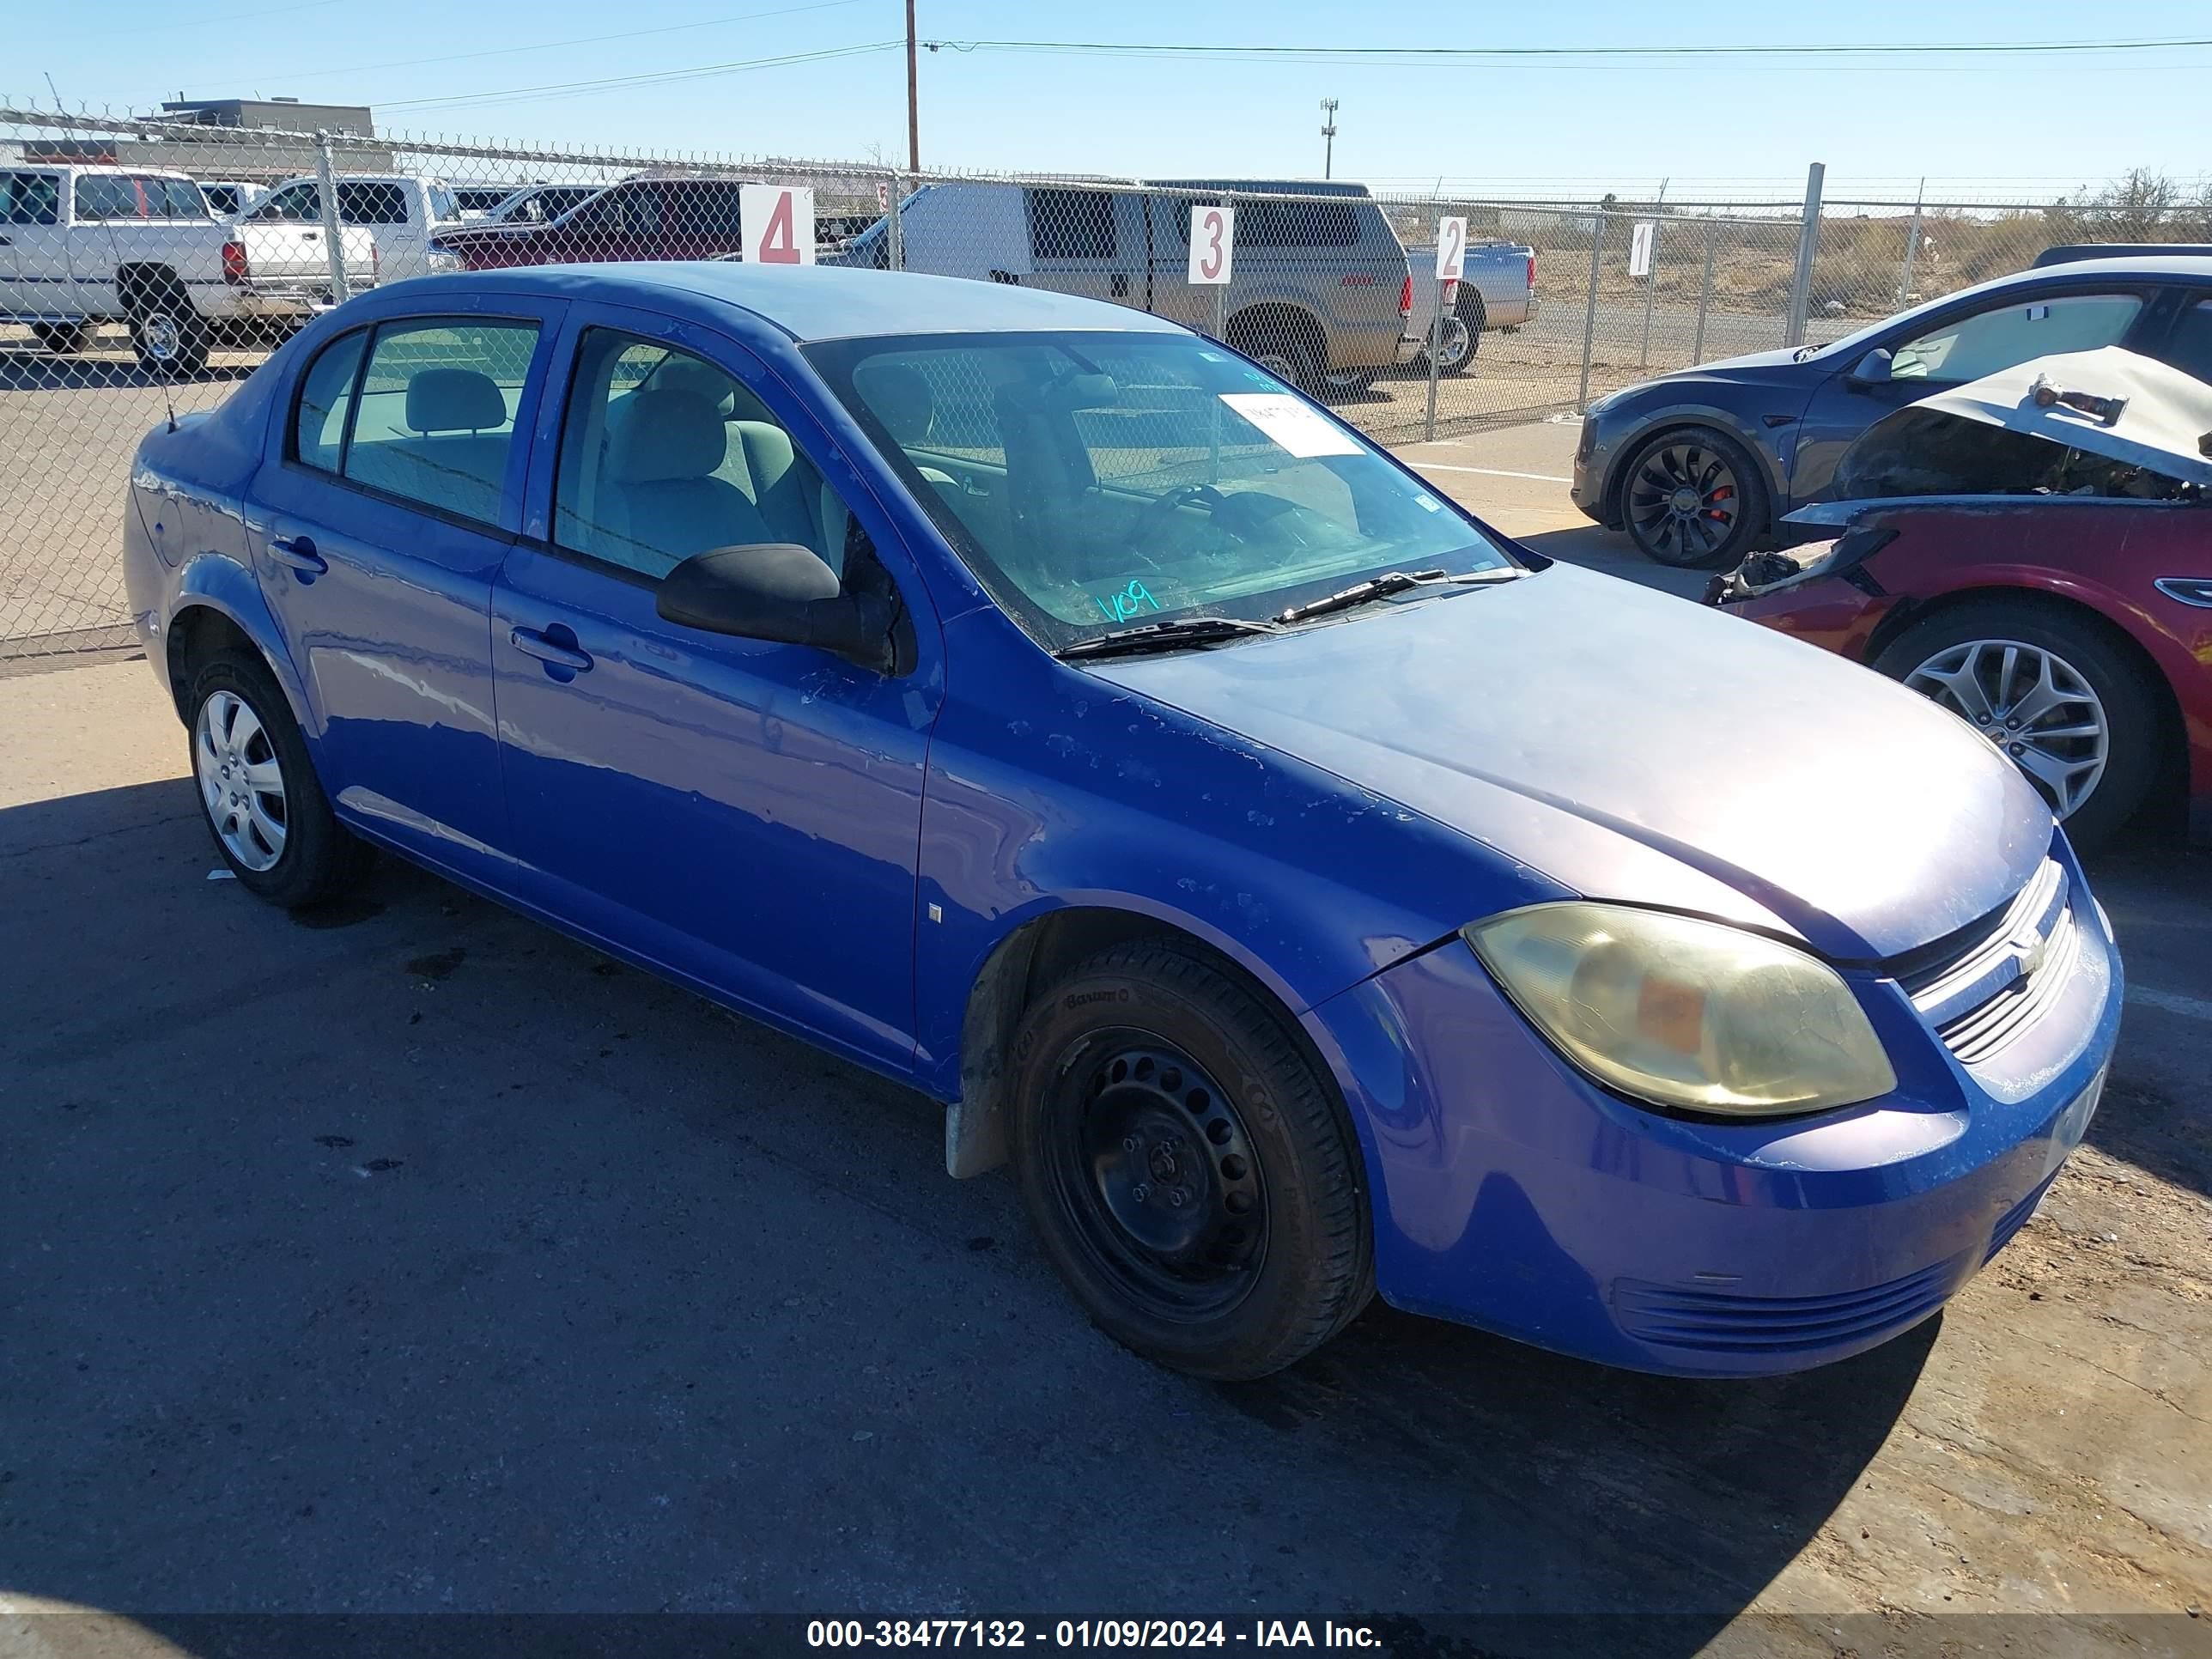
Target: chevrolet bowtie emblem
2028,950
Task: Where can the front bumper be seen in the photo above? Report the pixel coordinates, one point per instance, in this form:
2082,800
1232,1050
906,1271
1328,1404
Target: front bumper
1593,452
1829,611
1511,1192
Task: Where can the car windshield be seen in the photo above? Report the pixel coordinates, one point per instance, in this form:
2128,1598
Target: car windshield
1102,481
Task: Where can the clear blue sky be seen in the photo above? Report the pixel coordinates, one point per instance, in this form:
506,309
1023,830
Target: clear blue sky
1992,127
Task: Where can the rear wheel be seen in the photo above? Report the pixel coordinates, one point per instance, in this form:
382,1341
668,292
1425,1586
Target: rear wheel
1271,340
168,336
1461,337
2052,695
264,806
1693,499
1190,1175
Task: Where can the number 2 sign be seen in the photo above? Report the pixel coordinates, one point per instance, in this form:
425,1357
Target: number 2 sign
1451,249
778,223
1213,242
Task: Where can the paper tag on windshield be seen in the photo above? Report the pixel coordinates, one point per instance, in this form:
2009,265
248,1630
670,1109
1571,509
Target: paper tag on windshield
1290,424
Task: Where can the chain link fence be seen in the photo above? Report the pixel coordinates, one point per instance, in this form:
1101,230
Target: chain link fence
147,265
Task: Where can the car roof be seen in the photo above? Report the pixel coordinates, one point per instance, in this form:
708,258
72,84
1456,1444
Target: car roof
813,302
2198,266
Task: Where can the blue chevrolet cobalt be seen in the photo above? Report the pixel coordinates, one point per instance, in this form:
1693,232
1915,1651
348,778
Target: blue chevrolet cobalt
1309,893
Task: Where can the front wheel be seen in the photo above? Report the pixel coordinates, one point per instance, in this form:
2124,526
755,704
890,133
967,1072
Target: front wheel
62,339
1190,1174
1692,499
2051,694
1347,382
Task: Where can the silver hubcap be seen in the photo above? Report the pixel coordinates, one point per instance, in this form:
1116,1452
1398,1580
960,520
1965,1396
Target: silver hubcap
159,335
241,784
2034,706
1451,351
1280,365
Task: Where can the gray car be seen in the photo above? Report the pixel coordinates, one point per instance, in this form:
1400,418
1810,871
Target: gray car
1700,467
1319,291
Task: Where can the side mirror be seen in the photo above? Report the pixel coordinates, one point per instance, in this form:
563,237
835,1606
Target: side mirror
1872,369
782,591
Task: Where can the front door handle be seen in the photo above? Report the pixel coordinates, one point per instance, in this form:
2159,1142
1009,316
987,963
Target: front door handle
299,552
559,652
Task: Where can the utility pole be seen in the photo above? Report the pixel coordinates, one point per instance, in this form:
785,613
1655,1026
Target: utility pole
913,105
1328,134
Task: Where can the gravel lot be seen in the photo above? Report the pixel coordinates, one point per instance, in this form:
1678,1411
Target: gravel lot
419,1261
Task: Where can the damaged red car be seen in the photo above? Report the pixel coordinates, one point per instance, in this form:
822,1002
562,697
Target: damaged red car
2033,551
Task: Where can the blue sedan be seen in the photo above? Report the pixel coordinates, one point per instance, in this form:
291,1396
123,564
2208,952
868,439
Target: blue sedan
1308,892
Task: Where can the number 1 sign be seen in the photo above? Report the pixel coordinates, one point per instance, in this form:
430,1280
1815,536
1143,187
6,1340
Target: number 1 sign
1213,242
778,223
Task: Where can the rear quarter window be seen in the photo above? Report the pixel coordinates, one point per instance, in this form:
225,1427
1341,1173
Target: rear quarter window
30,198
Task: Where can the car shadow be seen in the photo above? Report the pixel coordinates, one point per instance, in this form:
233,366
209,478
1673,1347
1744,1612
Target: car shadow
428,1261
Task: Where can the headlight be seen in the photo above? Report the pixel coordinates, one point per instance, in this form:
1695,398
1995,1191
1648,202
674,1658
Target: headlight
1686,1014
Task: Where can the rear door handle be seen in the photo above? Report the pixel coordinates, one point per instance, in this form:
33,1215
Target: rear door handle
299,552
532,643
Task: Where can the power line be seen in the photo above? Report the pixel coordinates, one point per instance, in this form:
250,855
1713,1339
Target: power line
571,88
542,46
1260,52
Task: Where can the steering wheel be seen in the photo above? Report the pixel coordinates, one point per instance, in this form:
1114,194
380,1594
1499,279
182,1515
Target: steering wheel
1239,515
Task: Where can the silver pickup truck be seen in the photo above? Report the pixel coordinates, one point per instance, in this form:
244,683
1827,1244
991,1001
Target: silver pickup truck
1497,290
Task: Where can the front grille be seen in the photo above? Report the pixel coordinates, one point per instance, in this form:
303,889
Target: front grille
1672,1317
1992,979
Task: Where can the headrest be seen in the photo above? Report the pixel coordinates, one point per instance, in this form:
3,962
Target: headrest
455,400
665,435
900,397
681,373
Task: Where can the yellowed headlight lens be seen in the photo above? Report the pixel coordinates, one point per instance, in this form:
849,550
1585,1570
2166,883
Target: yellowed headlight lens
1685,1013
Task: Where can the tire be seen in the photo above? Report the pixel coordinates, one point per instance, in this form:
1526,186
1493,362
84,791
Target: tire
1149,1085
1957,654
1335,383
1276,347
167,334
62,339
1462,338
1693,499
240,723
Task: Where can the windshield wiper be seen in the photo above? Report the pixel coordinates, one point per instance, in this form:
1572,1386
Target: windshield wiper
1171,635
1381,587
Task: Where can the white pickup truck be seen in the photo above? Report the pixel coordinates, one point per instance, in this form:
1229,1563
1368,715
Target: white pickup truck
403,211
83,246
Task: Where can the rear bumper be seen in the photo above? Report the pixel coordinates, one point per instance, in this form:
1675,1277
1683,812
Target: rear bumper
1512,1193
1409,347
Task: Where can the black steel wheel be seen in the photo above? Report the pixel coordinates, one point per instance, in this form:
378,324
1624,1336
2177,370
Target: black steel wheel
1693,499
1155,1169
1189,1172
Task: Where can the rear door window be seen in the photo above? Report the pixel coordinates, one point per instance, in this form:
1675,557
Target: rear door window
294,204
2005,336
434,420
106,196
318,422
366,202
30,198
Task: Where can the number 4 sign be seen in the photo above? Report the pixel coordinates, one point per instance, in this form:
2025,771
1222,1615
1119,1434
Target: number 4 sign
778,223
1213,242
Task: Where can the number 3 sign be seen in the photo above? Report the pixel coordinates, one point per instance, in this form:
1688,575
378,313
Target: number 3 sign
778,223
1213,241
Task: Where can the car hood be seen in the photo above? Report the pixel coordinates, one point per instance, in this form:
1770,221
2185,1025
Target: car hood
1637,748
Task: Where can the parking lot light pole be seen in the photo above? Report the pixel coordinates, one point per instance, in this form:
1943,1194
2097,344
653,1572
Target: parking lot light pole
1328,134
